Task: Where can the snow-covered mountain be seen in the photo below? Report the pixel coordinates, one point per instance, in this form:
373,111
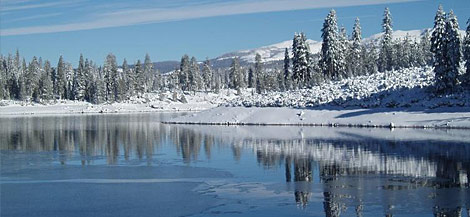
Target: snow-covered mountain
275,52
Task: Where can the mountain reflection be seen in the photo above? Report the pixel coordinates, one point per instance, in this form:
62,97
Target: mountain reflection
354,173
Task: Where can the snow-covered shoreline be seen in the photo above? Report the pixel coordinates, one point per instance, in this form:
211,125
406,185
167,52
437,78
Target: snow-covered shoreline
457,118
150,102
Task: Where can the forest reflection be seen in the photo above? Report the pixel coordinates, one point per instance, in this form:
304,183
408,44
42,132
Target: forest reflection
349,171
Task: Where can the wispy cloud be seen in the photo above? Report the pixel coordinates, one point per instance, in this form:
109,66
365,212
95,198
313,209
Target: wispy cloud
135,16
16,7
34,17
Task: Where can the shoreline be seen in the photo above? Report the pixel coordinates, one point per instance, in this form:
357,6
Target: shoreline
320,125
354,118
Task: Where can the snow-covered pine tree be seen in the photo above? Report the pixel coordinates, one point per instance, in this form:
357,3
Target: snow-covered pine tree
343,53
4,92
195,75
79,88
281,83
300,60
259,75
45,82
207,75
236,79
466,54
184,71
355,61
454,53
287,72
32,80
60,80
251,78
157,81
110,71
386,50
148,73
330,60
439,49
139,78
129,77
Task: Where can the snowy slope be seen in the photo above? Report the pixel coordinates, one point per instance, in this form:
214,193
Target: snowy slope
275,52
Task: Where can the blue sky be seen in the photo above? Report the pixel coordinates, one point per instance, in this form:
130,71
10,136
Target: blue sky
167,29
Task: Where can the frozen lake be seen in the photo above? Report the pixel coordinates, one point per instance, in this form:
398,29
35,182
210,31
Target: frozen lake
130,165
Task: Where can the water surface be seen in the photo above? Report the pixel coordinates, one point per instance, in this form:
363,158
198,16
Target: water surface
130,165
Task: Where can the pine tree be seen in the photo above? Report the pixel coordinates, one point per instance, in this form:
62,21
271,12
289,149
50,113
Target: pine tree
287,73
195,75
300,60
425,49
31,81
4,92
454,53
110,71
207,75
386,50
148,73
139,79
60,82
184,71
259,76
466,54
251,78
236,79
45,82
79,88
355,55
330,58
343,53
439,49
129,77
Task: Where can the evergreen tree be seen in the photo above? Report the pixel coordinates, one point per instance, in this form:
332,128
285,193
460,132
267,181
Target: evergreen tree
343,53
148,73
195,75
425,55
236,78
207,75
259,75
287,73
79,88
300,60
110,71
330,51
386,50
45,82
454,53
251,78
355,55
439,49
129,77
4,92
184,73
60,82
466,54
31,81
139,78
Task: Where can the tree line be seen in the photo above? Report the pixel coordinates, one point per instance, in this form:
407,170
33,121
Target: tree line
340,57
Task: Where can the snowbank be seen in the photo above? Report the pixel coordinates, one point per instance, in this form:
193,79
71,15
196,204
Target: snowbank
151,102
407,88
457,118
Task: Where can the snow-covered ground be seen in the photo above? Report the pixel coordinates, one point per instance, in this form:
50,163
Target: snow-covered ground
394,99
378,117
407,88
151,102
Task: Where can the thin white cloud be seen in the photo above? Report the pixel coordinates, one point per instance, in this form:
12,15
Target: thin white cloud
34,17
144,16
34,6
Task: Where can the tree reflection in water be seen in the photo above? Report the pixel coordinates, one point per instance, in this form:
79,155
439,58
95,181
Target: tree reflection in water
350,171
